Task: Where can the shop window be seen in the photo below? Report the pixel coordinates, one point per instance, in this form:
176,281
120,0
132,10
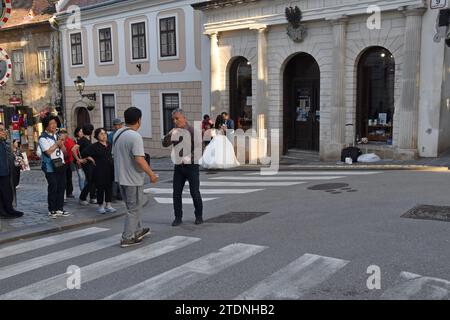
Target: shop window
375,96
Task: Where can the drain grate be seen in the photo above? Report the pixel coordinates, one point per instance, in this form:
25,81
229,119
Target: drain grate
328,186
428,212
236,217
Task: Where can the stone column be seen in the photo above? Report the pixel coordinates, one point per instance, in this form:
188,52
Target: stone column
215,73
332,151
407,110
262,80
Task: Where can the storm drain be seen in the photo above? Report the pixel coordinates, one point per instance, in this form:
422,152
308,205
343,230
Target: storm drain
428,212
236,217
328,186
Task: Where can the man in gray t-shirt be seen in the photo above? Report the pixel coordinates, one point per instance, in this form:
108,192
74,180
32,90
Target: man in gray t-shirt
130,169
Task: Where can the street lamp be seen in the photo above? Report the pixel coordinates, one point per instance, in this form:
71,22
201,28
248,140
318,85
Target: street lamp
79,85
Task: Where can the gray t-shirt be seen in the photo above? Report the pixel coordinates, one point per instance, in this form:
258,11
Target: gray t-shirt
127,146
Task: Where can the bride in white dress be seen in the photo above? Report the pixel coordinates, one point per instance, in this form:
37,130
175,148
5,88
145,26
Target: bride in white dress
219,153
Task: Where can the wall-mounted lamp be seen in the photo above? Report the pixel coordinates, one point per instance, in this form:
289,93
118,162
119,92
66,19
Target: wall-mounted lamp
79,85
139,67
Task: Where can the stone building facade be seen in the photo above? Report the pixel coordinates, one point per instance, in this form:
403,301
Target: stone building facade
347,78
136,68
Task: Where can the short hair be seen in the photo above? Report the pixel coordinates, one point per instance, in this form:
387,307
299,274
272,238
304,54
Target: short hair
97,132
87,129
132,115
77,130
180,111
205,116
47,119
224,113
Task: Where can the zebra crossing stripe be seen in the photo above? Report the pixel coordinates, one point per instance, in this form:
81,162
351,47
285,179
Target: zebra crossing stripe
248,184
58,256
56,284
412,286
185,200
294,280
48,241
318,173
175,280
202,191
278,178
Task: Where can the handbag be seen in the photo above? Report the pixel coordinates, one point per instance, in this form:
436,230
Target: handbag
58,165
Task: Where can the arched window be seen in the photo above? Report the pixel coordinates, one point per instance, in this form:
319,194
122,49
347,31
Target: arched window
375,95
241,93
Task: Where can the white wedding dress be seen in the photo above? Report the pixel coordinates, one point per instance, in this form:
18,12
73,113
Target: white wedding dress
219,154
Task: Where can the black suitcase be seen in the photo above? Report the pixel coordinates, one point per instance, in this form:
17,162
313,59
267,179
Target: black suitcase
351,152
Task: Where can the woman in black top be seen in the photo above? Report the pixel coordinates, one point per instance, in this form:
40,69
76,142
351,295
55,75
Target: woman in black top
100,155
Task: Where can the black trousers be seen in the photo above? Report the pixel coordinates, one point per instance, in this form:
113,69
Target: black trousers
104,192
56,189
6,195
191,173
89,188
69,184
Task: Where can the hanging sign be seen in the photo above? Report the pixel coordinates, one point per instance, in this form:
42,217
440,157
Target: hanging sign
5,11
5,67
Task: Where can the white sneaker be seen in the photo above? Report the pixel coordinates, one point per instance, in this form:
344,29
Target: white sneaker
93,201
83,202
101,210
110,210
63,213
52,214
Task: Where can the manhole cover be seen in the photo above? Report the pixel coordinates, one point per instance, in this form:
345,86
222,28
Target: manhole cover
236,217
328,186
428,212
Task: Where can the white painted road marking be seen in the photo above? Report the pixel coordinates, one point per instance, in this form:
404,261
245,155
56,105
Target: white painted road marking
248,184
318,173
414,286
54,285
278,178
170,282
58,256
185,200
294,280
202,191
48,241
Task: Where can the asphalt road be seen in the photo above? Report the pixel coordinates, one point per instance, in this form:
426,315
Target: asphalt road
306,244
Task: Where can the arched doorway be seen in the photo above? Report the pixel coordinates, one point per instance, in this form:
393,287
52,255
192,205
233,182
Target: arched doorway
82,116
301,111
375,95
241,93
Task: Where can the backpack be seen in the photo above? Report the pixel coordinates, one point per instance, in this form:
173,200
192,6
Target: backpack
351,152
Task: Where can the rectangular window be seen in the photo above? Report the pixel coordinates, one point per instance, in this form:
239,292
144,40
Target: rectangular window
44,64
76,49
171,101
18,67
139,42
109,111
168,40
105,45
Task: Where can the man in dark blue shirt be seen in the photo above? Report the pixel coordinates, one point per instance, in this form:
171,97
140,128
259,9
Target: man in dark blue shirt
6,186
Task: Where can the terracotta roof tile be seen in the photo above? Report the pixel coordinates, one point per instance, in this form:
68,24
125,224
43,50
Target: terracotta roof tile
28,12
82,3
